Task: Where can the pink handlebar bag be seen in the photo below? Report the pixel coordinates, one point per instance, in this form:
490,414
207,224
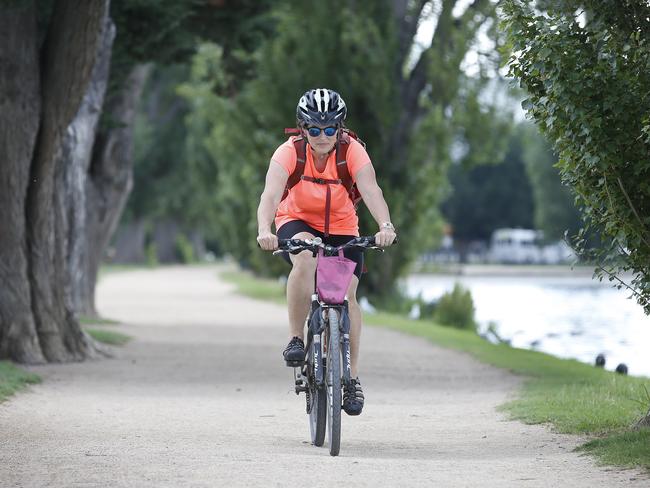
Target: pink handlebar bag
333,276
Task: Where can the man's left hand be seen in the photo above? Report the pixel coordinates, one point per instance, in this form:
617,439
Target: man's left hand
385,237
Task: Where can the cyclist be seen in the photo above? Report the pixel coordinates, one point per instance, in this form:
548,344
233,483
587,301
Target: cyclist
302,215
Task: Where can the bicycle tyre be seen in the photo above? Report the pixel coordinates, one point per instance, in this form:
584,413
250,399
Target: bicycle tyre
333,372
318,407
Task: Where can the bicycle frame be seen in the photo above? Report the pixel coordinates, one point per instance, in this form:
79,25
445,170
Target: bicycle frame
317,331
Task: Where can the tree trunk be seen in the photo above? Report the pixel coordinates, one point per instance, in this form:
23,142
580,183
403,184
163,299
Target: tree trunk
39,100
128,247
74,165
165,235
111,175
69,57
20,106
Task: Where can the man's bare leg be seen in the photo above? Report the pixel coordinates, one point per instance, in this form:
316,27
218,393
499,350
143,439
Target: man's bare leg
300,286
355,326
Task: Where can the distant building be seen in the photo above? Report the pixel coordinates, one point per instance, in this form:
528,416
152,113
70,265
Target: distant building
525,246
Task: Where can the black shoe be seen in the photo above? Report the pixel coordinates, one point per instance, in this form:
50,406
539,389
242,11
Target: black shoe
294,353
353,397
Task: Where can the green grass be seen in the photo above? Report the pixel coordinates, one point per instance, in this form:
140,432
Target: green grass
629,449
106,269
108,336
571,396
84,320
13,379
259,288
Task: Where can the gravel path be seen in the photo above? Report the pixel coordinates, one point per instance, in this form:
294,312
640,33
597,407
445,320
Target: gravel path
201,398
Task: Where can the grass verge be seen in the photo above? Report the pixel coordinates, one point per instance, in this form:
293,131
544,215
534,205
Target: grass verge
84,320
13,379
108,336
571,396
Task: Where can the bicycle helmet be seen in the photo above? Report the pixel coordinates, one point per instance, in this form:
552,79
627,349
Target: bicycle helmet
321,107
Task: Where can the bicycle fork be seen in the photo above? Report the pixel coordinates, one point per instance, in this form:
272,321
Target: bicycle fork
315,326
344,325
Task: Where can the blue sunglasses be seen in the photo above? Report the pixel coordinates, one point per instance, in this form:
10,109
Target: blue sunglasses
315,131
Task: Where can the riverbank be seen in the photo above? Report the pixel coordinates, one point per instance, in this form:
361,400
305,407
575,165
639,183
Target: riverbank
461,269
572,397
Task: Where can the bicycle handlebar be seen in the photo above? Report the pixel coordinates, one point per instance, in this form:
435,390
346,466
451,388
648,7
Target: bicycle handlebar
297,245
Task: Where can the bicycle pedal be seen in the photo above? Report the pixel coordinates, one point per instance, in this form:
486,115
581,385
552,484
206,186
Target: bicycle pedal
294,364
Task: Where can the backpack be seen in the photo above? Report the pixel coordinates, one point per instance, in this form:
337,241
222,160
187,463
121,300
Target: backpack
342,145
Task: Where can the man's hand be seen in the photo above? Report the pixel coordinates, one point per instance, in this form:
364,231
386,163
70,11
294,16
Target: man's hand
385,237
267,241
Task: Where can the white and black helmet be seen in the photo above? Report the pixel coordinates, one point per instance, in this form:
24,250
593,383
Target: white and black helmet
321,107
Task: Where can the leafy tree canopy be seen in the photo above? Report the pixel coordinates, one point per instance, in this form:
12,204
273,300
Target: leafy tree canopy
586,68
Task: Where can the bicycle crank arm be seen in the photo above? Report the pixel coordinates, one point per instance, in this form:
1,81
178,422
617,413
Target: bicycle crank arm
299,380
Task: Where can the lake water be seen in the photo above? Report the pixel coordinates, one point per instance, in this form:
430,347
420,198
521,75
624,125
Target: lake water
569,315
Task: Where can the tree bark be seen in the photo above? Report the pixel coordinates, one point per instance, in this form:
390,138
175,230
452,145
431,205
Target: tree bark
74,165
20,106
69,57
128,247
111,173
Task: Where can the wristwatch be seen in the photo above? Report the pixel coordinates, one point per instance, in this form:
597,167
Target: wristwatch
387,225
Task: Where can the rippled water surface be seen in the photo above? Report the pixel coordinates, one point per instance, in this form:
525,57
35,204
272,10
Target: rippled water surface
570,316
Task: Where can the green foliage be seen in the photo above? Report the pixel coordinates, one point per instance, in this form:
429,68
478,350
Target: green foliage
166,31
490,196
13,379
161,188
151,254
555,212
237,132
185,249
456,309
585,66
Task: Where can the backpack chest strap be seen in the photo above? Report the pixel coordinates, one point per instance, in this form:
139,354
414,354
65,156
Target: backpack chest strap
328,197
321,181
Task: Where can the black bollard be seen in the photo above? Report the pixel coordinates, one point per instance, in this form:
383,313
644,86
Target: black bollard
621,368
600,361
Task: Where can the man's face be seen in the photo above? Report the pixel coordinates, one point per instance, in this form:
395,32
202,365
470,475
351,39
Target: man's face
321,143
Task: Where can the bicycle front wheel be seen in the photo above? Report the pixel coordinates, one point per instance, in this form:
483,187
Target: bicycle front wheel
317,404
333,372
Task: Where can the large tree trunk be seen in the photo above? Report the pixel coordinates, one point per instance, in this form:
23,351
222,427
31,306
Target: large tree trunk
37,323
75,163
69,57
77,152
435,78
111,175
19,118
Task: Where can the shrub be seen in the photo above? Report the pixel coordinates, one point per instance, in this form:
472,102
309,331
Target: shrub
151,254
184,249
456,309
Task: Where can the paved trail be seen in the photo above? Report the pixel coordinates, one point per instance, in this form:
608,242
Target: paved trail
201,398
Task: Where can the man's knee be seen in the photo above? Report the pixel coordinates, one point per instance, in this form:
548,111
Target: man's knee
304,262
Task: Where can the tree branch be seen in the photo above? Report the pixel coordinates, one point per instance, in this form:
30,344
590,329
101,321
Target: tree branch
636,214
639,296
408,22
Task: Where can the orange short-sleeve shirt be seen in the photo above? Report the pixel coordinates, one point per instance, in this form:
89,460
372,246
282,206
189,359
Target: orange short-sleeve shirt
306,200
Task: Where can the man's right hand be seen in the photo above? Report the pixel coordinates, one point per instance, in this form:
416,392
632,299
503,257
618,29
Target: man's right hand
267,241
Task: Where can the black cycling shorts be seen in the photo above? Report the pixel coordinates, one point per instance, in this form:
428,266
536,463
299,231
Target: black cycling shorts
290,229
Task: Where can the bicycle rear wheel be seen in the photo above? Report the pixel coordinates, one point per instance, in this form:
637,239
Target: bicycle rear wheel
333,372
316,404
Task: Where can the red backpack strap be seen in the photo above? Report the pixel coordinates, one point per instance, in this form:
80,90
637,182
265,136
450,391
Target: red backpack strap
342,146
300,145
